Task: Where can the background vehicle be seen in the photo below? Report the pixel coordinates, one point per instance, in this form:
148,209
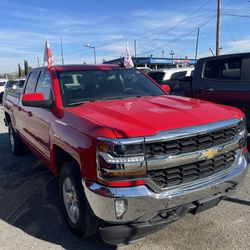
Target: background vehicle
19,86
162,75
144,69
224,79
13,87
11,84
130,158
2,83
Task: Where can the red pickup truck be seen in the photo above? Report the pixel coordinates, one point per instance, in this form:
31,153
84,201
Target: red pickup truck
130,158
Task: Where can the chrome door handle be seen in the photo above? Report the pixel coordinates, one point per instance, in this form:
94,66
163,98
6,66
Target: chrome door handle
206,90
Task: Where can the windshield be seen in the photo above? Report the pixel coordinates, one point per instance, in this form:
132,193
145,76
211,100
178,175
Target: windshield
83,86
2,83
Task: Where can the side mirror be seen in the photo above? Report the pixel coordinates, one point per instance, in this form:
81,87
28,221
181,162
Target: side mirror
36,100
165,87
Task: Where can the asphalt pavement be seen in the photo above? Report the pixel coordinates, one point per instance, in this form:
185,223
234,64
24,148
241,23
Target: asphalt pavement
30,216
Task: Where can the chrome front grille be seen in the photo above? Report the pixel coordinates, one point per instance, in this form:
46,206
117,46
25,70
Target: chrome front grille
190,144
185,155
193,171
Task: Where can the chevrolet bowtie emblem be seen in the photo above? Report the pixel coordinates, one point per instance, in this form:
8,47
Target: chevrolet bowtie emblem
209,153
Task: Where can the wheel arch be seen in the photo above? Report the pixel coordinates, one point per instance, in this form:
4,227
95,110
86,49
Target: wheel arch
60,156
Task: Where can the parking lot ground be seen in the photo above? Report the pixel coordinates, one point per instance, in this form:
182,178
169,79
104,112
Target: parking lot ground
30,215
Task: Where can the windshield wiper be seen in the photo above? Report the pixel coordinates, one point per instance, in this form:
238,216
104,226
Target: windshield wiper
120,97
79,103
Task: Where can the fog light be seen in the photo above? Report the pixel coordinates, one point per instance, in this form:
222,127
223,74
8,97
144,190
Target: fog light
120,208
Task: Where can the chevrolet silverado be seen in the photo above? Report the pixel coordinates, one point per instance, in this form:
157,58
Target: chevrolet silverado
130,158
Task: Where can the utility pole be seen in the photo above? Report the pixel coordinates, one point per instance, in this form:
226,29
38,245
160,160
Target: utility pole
38,62
62,52
197,44
135,53
218,28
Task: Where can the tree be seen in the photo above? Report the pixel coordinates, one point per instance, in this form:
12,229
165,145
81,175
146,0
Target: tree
26,67
19,71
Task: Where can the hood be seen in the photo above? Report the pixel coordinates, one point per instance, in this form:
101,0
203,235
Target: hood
149,115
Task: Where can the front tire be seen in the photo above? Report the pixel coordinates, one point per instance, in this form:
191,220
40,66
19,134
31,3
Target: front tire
76,209
17,146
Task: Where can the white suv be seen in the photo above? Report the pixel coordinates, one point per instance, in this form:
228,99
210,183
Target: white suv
2,83
161,75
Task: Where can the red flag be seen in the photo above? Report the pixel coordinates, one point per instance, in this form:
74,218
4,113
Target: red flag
48,55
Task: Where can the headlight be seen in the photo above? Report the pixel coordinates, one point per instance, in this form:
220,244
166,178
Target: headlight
120,159
242,126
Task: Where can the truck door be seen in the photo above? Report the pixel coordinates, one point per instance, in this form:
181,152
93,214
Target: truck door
39,118
20,111
219,80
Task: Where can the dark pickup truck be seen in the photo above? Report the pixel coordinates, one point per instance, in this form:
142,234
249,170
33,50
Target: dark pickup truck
222,79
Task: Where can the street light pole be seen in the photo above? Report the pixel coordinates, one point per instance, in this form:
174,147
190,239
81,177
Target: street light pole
91,47
172,55
62,51
94,54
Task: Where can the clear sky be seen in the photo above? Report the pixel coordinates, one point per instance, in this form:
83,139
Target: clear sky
159,26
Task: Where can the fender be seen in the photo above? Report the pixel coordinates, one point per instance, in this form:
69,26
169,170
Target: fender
76,144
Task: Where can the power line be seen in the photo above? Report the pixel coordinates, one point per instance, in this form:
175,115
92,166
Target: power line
183,35
236,10
178,23
171,28
146,33
230,34
247,16
139,37
166,44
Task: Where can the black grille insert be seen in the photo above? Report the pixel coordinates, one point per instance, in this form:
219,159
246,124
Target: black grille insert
192,143
190,172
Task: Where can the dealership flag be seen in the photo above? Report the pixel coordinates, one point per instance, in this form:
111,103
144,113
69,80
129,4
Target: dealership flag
48,55
128,63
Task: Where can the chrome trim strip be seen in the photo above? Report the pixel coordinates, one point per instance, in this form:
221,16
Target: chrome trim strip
175,133
191,131
133,140
164,162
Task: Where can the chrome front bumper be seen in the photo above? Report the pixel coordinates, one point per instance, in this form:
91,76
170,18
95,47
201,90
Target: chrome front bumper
143,204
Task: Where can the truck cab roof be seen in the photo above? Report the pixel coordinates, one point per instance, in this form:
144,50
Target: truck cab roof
75,67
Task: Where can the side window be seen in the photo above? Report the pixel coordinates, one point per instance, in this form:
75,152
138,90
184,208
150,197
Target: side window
223,69
20,83
31,83
178,75
44,85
